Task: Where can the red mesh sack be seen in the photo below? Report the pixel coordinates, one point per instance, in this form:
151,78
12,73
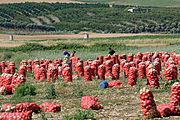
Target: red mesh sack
132,78
49,107
3,65
89,102
153,79
167,110
139,56
6,90
101,72
148,104
16,116
87,73
115,84
175,94
108,66
75,76
67,74
101,58
80,69
42,74
25,107
126,68
22,71
7,108
142,70
115,72
132,64
130,57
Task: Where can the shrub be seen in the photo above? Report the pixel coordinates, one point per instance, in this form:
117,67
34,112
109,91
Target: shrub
50,91
24,89
80,115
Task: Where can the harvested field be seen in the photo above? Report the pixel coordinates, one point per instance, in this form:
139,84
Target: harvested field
69,36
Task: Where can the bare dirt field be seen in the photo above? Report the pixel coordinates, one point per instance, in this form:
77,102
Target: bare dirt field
5,37
38,1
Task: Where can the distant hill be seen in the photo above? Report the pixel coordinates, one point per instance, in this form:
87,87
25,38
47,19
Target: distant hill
162,3
88,17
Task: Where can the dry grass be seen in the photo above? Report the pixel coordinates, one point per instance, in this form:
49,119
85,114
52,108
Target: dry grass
66,36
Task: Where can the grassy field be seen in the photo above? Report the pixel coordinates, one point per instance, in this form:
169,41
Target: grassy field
119,103
159,3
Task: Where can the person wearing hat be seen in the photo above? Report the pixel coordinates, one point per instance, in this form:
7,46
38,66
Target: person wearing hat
67,59
111,51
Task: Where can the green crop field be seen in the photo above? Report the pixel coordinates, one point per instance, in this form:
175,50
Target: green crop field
63,17
159,3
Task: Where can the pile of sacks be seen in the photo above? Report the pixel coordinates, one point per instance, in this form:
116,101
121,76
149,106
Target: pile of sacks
23,111
90,102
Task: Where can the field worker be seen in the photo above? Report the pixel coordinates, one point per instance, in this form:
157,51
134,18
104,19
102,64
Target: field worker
111,51
72,54
67,59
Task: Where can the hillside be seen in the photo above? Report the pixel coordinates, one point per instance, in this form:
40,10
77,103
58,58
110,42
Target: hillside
87,17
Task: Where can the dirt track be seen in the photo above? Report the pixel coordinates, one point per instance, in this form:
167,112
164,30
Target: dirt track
38,1
5,37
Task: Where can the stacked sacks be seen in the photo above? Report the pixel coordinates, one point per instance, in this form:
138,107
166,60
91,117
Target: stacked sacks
101,72
7,108
115,71
49,107
132,76
142,70
148,104
115,84
67,74
153,79
16,116
175,94
89,102
87,73
126,68
108,66
25,107
80,69
167,110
